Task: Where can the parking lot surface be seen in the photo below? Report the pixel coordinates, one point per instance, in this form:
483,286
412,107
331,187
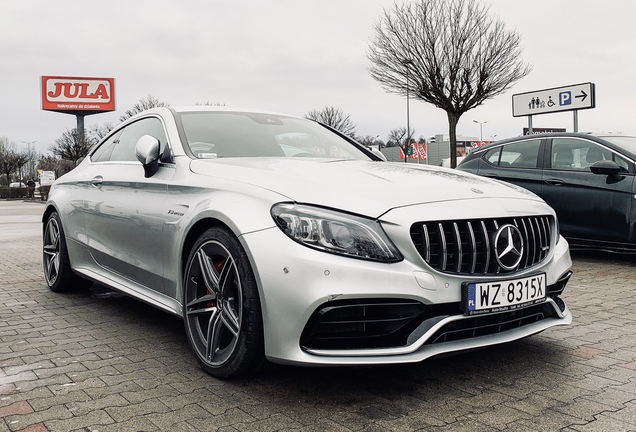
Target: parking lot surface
97,361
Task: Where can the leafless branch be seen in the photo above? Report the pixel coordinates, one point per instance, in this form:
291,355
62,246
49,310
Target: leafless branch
449,53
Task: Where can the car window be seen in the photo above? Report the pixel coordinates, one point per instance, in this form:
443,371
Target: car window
103,152
622,163
492,156
522,154
124,147
626,142
574,154
212,135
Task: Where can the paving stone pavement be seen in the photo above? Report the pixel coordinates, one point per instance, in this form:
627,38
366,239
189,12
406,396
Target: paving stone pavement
94,361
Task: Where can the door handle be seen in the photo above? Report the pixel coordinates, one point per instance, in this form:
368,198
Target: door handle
97,181
489,175
554,182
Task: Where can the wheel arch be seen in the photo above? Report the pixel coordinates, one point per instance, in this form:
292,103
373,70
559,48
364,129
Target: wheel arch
193,234
50,208
195,231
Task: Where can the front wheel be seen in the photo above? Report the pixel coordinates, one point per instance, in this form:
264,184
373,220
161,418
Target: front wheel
222,311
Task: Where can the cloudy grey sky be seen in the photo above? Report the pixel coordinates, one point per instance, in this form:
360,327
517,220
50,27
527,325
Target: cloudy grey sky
294,56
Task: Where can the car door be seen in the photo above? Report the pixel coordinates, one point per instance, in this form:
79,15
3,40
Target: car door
590,207
517,162
125,211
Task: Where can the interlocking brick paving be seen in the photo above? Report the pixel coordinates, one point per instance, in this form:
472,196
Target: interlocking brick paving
90,361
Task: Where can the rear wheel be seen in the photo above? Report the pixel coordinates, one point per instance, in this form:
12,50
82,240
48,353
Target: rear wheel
222,311
57,266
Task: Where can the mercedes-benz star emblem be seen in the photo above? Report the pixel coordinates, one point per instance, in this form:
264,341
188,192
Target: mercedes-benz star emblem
508,247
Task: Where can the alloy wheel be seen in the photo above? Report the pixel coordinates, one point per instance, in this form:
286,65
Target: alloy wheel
52,251
214,303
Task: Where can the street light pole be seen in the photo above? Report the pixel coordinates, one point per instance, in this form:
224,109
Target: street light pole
30,168
406,63
481,131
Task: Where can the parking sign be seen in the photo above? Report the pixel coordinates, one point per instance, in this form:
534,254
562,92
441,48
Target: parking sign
568,98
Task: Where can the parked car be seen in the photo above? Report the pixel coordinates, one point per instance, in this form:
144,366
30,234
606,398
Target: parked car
588,180
275,237
16,185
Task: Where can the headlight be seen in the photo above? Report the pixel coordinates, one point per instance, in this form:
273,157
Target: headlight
335,232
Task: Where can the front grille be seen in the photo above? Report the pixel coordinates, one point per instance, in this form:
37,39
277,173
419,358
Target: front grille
468,247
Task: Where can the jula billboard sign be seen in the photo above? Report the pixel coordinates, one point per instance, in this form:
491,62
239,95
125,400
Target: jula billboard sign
75,95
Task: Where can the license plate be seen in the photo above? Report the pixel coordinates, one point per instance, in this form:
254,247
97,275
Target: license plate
501,296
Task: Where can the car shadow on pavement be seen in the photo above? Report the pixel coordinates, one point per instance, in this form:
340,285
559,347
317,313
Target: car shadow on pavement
159,335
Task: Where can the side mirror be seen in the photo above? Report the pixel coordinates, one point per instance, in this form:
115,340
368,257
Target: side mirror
147,152
606,167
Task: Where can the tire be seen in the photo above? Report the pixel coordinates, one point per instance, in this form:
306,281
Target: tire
57,266
221,307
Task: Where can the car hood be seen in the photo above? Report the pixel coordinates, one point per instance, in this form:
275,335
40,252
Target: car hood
363,187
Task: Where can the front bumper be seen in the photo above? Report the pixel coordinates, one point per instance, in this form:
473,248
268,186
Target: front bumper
417,310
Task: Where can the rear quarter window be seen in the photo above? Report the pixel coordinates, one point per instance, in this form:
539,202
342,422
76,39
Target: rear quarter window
522,154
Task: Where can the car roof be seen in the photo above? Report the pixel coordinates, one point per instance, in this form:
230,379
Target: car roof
601,138
214,108
173,110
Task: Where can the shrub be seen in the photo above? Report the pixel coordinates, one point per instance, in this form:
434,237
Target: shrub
13,193
44,192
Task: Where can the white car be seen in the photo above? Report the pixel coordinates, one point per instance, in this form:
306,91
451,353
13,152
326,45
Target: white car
275,237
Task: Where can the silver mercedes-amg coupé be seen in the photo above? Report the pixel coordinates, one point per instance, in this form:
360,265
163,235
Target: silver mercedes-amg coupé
275,237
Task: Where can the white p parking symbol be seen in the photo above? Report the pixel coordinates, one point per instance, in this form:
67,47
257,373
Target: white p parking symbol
565,98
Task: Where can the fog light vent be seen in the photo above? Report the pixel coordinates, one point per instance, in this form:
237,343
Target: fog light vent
377,323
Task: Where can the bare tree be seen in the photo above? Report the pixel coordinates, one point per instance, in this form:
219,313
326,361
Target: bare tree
143,105
72,146
369,141
48,163
208,103
449,53
11,161
55,164
97,132
29,170
335,118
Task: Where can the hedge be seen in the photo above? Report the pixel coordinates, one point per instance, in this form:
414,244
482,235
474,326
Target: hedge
23,192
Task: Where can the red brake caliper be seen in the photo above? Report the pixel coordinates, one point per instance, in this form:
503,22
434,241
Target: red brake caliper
218,265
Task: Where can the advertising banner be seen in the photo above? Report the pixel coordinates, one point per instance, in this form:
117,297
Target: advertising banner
76,94
417,151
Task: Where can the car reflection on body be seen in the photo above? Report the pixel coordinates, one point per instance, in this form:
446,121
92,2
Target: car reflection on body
275,237
588,180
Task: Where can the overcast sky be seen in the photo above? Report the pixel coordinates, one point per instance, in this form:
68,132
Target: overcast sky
294,56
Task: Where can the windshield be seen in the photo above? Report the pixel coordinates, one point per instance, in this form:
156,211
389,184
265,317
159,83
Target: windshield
212,135
626,142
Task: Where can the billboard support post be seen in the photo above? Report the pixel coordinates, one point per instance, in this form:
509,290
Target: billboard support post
80,126
79,96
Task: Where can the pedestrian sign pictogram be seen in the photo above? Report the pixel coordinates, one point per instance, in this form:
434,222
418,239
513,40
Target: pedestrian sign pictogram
568,98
